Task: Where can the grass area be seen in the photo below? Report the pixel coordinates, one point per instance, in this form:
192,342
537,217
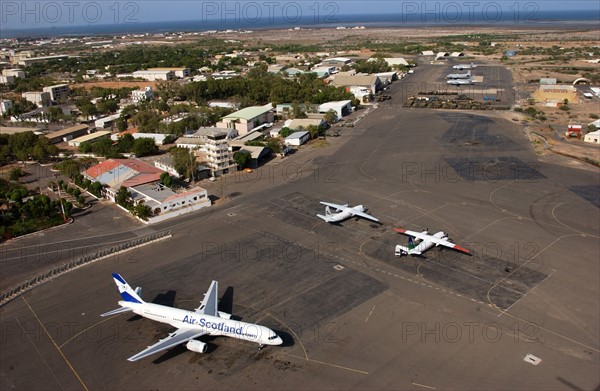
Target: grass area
319,143
28,226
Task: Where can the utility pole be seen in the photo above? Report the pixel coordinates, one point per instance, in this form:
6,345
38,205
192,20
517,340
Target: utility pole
62,208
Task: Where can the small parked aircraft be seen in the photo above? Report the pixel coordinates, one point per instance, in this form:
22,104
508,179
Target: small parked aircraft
460,67
425,241
343,212
459,75
458,82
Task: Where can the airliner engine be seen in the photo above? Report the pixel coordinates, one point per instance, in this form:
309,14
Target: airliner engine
196,346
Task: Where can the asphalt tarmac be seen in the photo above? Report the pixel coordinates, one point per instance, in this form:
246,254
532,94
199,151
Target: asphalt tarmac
351,314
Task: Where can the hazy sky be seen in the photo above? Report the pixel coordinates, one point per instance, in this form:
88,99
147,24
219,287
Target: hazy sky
23,14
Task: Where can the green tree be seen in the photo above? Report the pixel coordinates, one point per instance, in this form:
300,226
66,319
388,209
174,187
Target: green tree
87,162
85,147
144,146
184,161
274,145
330,116
314,131
86,107
106,106
15,174
142,211
55,114
123,198
166,179
69,167
241,158
285,131
147,121
121,124
125,143
96,189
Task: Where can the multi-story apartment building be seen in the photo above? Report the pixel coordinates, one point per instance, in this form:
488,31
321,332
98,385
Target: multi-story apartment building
212,149
58,93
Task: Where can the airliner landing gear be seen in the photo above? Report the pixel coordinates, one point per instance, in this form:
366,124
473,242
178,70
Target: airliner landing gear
260,347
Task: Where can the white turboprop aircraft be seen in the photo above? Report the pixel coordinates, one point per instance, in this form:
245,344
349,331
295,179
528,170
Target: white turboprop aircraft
343,212
457,82
460,67
459,75
425,242
205,320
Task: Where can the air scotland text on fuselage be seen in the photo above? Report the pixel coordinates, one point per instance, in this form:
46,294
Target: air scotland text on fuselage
218,326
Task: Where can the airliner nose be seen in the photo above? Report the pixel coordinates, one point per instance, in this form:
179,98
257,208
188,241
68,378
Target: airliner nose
278,341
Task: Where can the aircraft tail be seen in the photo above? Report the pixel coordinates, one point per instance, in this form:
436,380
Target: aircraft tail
401,250
411,243
127,293
327,211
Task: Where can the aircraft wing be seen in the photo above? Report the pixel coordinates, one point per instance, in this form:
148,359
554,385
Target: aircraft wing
175,338
449,245
210,303
414,234
362,214
336,206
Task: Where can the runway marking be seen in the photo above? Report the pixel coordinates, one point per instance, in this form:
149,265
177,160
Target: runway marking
55,345
566,226
83,331
368,316
280,321
528,292
40,354
490,304
514,215
422,385
552,332
523,264
329,364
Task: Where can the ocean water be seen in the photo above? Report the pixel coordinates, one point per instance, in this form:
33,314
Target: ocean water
446,16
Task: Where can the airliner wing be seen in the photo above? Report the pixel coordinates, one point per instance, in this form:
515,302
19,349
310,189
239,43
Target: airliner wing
336,206
175,338
362,214
210,303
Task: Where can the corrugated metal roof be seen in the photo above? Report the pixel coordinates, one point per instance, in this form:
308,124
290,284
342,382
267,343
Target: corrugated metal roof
249,112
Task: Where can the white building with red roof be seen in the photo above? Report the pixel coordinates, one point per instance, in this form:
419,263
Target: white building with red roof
142,181
114,173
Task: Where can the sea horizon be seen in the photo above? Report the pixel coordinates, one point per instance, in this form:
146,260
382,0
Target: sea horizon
565,19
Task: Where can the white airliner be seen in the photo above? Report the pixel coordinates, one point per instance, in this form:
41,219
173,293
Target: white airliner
459,75
343,212
425,241
205,320
457,82
460,67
